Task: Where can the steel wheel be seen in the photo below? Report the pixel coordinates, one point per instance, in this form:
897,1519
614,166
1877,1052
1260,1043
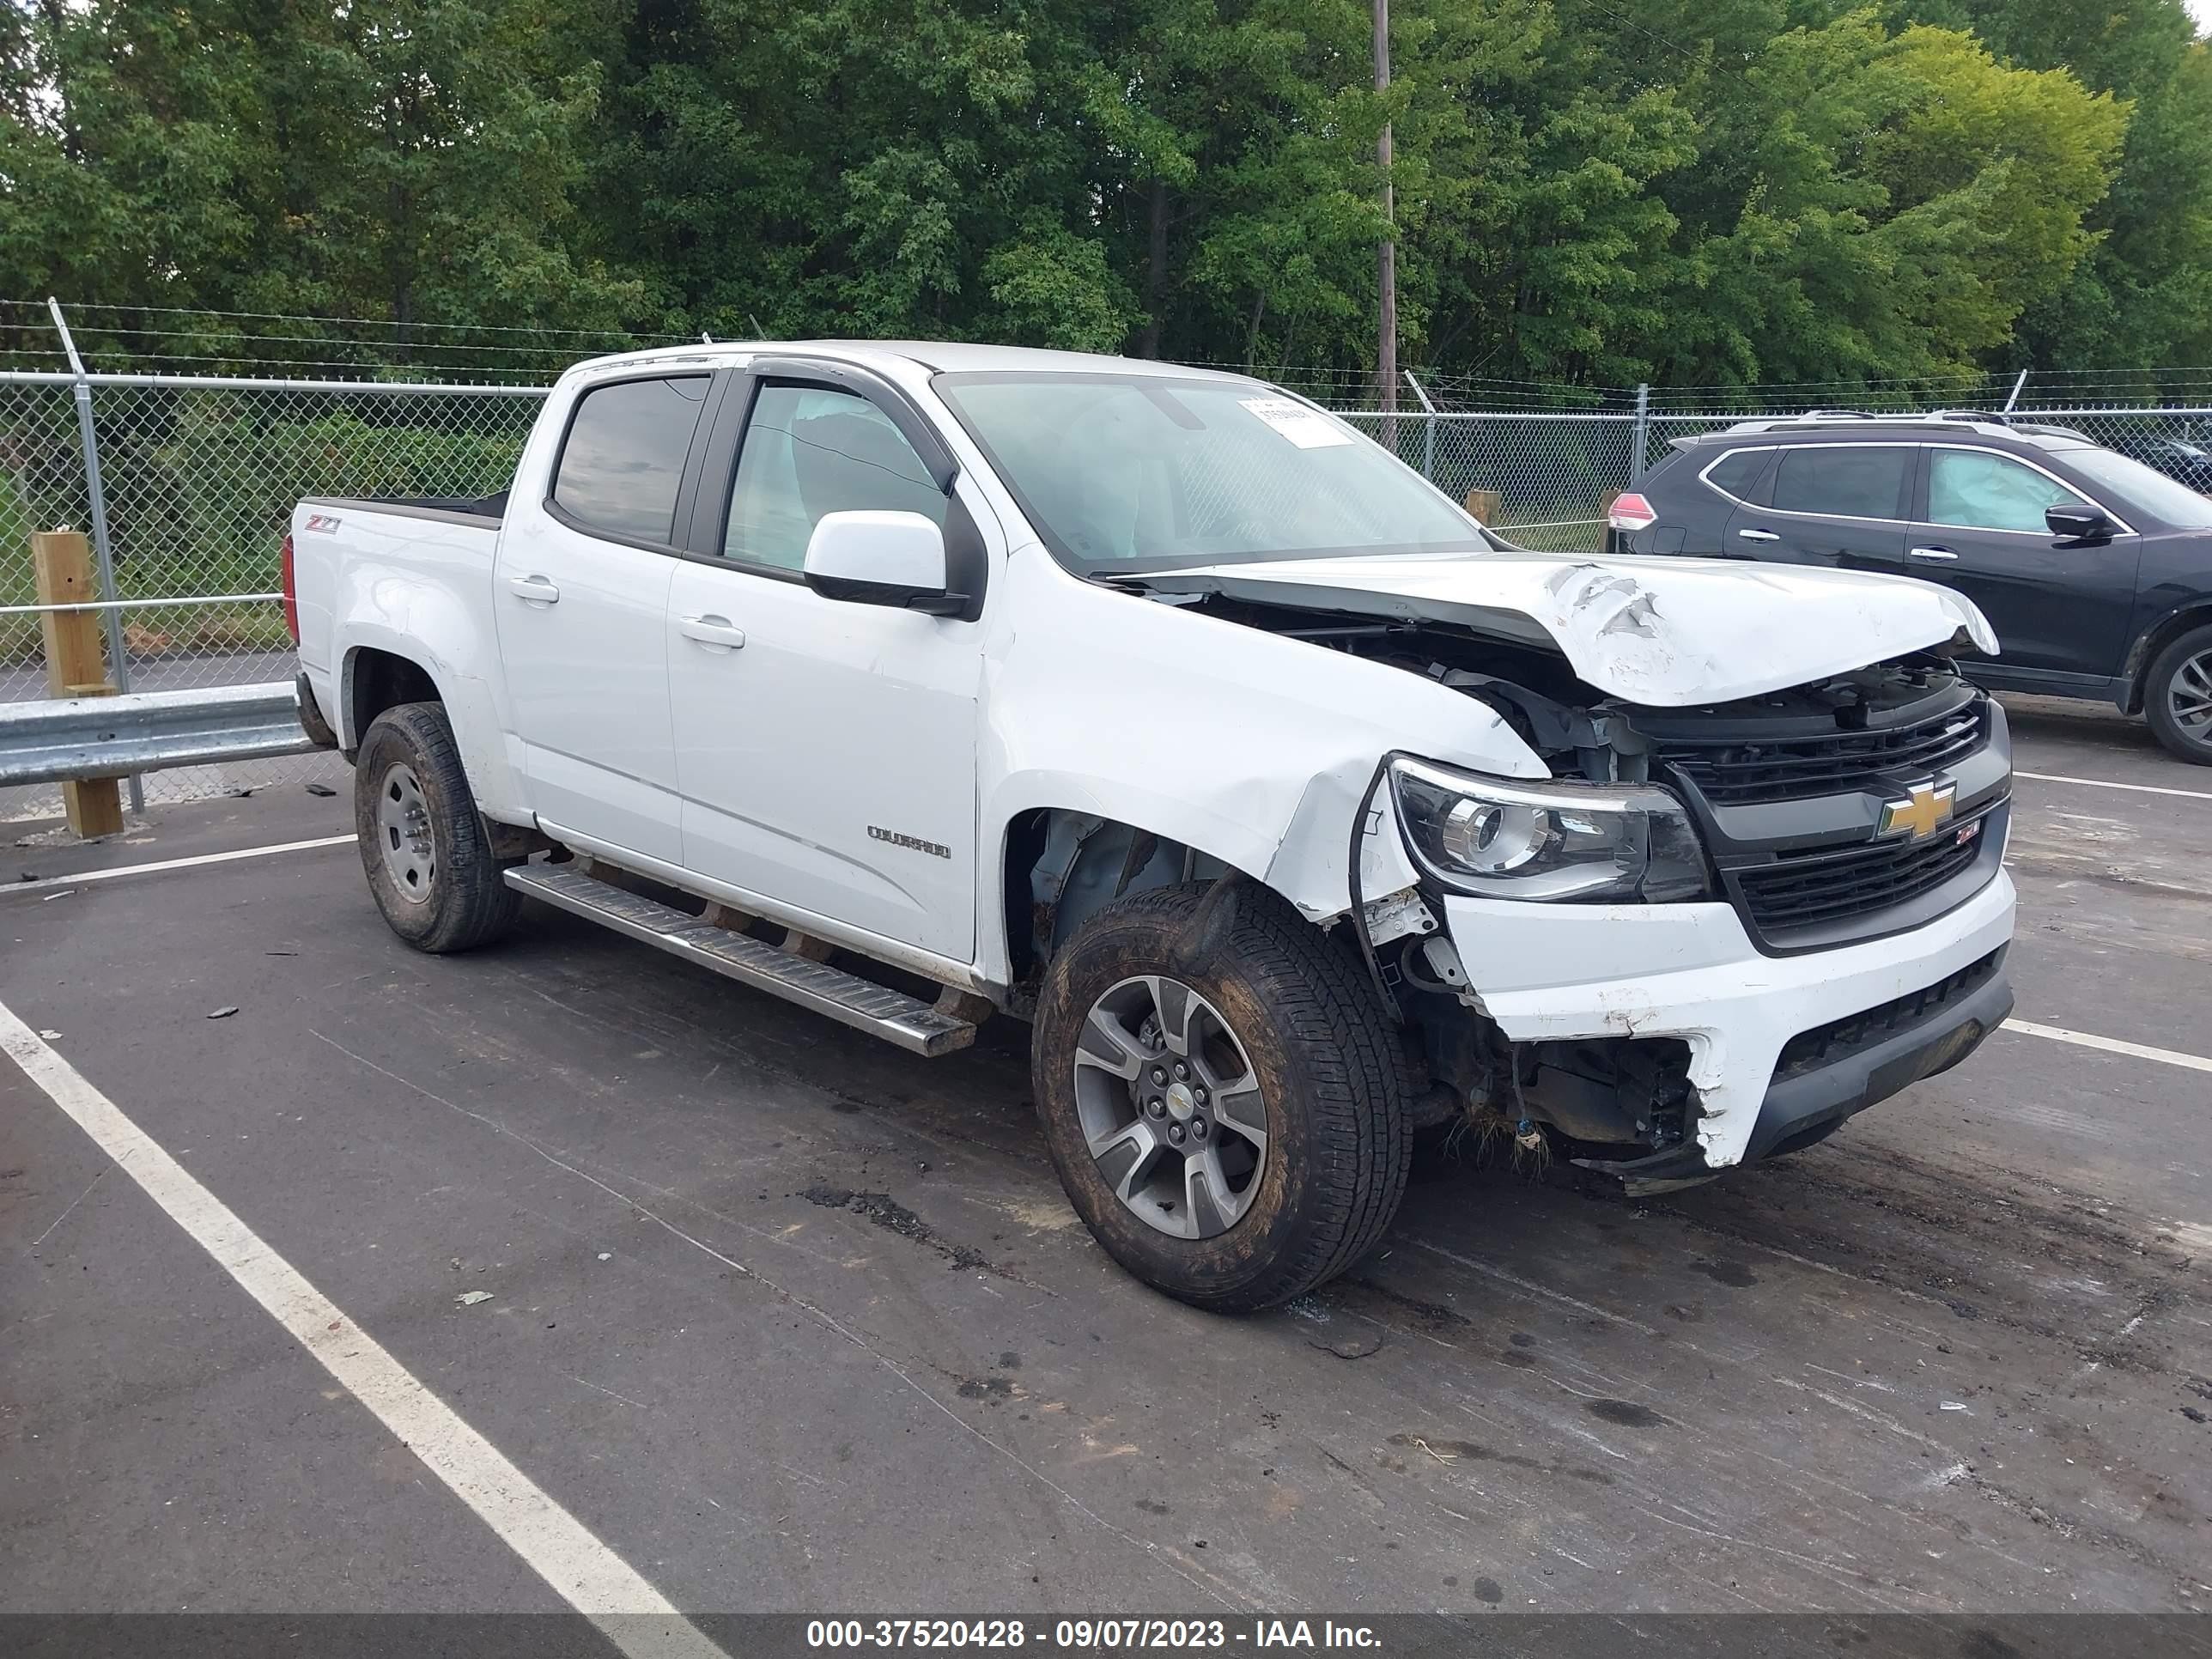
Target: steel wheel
404,836
1171,1107
424,846
2188,697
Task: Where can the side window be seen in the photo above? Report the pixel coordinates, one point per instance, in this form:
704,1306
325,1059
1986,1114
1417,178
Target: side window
808,450
1735,474
624,454
1978,490
1844,481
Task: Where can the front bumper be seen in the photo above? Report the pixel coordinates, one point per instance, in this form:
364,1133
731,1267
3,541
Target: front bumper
1544,972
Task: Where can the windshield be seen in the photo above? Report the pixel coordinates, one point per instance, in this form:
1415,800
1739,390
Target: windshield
2137,485
1121,472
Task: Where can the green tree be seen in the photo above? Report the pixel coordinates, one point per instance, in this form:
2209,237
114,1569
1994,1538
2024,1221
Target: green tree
123,135
1589,190
2144,297
1861,204
400,159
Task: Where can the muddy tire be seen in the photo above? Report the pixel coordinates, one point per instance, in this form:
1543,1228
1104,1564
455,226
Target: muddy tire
2178,696
1221,1094
423,843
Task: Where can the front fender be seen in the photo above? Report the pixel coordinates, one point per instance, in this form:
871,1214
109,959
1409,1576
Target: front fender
1252,748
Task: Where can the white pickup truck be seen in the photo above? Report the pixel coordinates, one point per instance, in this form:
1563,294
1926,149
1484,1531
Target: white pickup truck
1160,708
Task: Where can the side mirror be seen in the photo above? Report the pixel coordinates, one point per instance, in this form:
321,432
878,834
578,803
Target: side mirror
2079,523
881,558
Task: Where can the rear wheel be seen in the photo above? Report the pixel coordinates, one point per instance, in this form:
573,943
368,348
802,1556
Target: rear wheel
1220,1095
423,846
2178,696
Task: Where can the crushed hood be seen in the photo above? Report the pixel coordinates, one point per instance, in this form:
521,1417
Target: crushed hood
1663,632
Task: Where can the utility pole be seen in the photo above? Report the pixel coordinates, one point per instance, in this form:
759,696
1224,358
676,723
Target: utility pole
1386,357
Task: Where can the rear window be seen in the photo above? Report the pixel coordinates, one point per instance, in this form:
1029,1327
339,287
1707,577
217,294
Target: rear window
1845,481
1734,474
624,455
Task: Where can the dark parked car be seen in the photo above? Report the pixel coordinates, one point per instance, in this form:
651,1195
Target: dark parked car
2095,570
2185,460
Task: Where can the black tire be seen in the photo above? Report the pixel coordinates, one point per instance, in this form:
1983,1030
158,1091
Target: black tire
463,903
1328,1067
2160,688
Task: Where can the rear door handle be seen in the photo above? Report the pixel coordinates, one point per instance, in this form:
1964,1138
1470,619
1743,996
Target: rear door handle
1759,535
536,590
1942,555
715,633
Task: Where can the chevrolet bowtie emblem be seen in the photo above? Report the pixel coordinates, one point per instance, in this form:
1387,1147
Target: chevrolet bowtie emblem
1923,811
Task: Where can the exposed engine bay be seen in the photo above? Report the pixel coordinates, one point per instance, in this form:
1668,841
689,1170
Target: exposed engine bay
1579,731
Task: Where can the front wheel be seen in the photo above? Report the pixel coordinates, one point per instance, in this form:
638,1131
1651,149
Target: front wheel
2178,696
1220,1095
429,862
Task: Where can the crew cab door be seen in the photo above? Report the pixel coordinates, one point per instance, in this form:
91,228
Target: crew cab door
1830,503
825,749
2060,610
581,589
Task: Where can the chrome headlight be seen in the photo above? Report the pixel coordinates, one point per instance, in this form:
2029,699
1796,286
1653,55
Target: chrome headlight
1505,838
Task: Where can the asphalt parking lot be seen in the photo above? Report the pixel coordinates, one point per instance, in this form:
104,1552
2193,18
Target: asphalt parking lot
789,1321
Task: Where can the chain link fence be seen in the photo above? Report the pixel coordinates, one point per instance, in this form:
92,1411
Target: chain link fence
197,476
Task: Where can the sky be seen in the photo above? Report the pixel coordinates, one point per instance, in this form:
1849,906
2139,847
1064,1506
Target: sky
2201,11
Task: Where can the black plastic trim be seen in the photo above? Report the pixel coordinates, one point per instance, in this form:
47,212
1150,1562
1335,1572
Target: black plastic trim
415,508
1800,1108
1748,837
704,537
1708,728
311,713
1866,1076
1859,928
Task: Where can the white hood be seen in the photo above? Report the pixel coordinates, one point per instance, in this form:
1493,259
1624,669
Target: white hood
1664,632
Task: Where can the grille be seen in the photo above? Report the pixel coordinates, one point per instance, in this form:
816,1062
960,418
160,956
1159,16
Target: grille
1824,1043
1825,765
1803,889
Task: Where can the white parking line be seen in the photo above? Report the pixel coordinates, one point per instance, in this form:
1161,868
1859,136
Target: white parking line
159,865
581,1569
2111,1045
2107,783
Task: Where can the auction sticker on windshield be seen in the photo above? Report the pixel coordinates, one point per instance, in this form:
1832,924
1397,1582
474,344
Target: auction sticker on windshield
1309,429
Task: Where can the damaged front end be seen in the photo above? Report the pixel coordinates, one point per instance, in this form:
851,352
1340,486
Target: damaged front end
1718,931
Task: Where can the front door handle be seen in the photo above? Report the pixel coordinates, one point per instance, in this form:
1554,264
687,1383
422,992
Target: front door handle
1941,555
536,590
714,632
1759,535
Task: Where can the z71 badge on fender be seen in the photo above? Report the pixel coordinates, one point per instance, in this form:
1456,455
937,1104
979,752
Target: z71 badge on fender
933,849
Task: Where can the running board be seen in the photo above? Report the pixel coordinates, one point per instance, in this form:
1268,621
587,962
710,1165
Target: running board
877,1009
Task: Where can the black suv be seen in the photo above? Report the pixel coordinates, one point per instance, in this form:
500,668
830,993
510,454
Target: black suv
2095,570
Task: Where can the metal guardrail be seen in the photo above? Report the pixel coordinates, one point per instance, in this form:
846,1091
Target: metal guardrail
148,732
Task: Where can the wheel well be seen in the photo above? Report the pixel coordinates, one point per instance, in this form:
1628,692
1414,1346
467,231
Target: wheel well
1062,865
382,680
2147,647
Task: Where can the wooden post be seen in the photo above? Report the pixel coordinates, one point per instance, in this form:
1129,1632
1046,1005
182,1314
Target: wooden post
1485,505
76,662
